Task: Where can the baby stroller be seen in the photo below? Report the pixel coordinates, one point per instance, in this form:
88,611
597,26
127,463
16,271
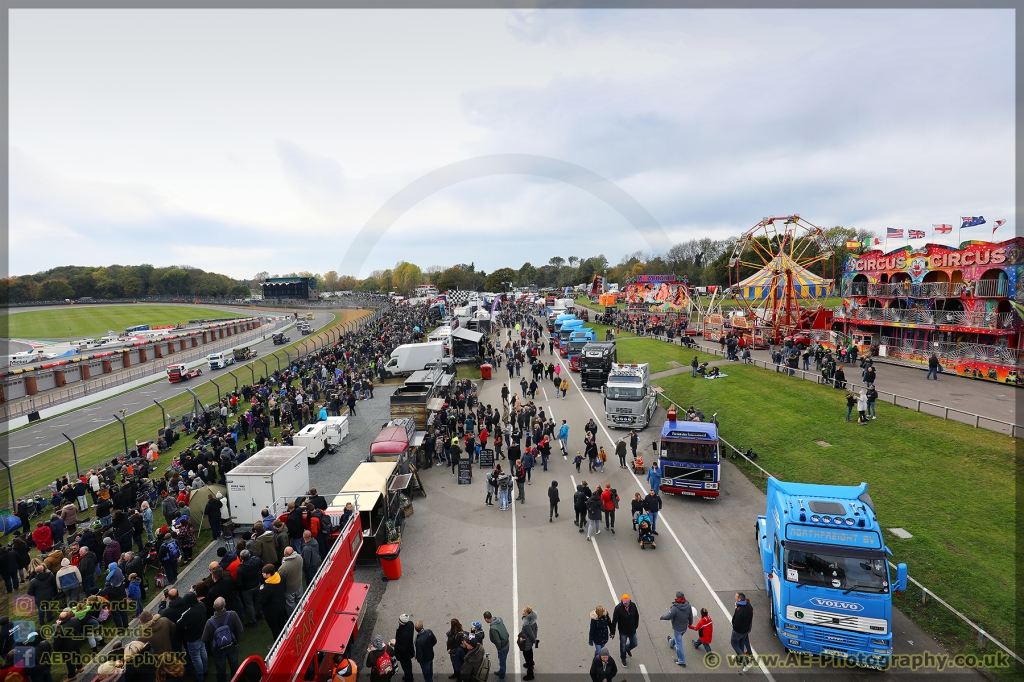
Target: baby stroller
638,465
645,532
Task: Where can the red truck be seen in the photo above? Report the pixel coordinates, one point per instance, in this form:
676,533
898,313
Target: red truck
176,373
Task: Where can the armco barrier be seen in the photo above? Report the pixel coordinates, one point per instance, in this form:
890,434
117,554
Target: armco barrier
77,390
925,592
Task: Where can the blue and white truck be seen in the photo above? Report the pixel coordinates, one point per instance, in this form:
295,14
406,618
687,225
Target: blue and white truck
826,572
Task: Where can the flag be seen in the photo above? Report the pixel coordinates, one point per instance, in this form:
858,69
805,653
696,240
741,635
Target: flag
915,234
972,221
942,228
852,244
997,225
871,241
893,233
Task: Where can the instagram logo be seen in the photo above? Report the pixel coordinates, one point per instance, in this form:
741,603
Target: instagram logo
24,605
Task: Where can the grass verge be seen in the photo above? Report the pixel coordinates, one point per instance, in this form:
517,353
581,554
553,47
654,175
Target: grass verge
916,469
659,354
88,320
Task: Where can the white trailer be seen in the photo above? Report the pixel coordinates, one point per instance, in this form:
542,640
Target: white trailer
267,480
337,430
313,437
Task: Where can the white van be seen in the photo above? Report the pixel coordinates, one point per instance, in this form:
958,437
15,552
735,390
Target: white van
219,360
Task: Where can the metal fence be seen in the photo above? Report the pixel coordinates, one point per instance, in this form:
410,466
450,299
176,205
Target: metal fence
982,635
80,389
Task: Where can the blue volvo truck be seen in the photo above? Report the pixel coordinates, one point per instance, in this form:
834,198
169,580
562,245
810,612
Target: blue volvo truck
826,572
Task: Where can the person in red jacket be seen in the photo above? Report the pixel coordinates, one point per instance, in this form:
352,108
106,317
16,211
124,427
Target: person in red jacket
704,629
42,537
609,498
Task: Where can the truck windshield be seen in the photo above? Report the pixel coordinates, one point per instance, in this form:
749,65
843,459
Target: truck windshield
700,453
577,346
624,392
828,567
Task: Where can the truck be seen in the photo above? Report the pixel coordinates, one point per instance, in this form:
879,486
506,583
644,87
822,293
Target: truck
578,338
827,573
220,360
566,329
596,360
555,324
176,373
629,401
269,479
420,395
689,457
280,339
410,357
244,353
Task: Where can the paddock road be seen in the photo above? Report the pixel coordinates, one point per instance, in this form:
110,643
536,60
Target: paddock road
460,558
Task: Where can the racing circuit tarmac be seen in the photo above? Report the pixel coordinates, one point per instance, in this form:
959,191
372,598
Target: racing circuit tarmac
27,442
460,558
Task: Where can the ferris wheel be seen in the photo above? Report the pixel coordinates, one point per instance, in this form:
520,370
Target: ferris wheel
782,251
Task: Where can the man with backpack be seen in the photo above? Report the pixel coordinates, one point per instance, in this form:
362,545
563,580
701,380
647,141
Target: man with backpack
168,556
223,634
380,661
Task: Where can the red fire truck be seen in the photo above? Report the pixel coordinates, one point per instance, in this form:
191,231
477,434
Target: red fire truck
324,624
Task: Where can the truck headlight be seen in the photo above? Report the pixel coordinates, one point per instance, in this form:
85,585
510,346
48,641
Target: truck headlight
711,486
794,642
791,626
879,642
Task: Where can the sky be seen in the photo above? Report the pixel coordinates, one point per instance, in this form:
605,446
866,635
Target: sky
239,141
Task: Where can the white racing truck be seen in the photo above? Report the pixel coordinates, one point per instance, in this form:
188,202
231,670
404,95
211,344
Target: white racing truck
629,401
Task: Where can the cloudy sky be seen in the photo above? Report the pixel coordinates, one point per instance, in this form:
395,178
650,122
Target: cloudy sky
240,141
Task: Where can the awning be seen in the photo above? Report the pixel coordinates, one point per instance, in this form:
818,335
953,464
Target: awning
435,404
466,334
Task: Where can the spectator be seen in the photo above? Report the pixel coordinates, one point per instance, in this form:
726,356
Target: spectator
291,575
310,556
43,589
249,577
272,600
425,643
157,631
190,627
223,634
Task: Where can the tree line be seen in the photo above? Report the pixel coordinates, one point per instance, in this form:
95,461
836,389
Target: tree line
119,281
702,261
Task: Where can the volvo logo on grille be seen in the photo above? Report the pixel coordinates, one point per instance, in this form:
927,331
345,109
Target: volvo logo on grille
836,604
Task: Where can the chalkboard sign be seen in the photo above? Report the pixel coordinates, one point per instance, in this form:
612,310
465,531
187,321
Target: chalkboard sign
465,472
487,459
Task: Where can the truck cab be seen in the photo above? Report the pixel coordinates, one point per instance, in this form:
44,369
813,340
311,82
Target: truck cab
566,330
220,360
556,325
827,573
578,338
596,360
629,401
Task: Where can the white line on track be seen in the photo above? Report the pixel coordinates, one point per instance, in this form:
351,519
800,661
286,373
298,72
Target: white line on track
545,391
665,523
600,559
515,585
643,671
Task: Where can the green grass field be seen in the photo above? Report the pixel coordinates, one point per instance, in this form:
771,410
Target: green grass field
658,353
87,320
948,484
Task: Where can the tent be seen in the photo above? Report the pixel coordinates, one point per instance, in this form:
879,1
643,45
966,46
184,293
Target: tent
465,344
197,504
776,274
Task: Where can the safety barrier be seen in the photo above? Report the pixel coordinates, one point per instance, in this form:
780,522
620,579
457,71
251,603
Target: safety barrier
77,390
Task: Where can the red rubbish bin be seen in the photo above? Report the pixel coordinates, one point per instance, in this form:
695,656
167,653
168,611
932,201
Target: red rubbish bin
389,560
485,370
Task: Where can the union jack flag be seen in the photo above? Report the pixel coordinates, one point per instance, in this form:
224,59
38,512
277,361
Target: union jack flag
893,233
915,234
